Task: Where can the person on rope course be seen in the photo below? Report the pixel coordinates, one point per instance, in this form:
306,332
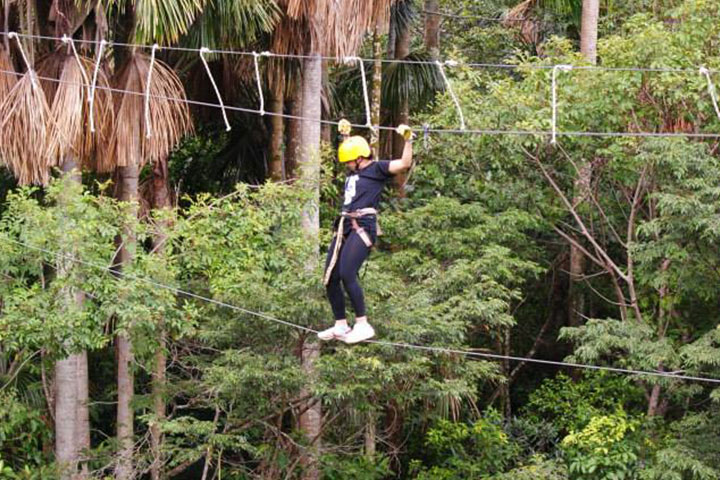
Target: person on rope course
356,229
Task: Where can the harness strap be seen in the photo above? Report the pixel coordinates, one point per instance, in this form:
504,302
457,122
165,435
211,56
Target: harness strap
338,235
361,232
336,251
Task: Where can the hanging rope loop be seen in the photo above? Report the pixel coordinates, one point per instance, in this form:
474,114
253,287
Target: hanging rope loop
259,83
69,41
33,79
711,89
148,126
366,97
93,84
556,68
203,51
455,100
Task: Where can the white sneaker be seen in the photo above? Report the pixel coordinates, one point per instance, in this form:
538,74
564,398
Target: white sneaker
336,332
361,332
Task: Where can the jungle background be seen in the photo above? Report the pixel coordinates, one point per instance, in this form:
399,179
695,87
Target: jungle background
145,262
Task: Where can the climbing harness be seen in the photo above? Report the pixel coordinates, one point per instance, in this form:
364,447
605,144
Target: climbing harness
339,236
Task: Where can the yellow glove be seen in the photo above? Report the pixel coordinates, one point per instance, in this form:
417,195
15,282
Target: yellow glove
405,131
344,127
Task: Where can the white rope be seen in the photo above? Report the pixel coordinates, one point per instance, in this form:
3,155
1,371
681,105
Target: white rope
91,97
692,70
366,98
556,68
469,353
711,89
468,131
259,83
148,126
203,51
83,73
450,89
30,70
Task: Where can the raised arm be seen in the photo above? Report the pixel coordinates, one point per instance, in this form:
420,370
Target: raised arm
404,163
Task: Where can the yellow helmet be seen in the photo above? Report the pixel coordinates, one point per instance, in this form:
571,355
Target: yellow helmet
353,148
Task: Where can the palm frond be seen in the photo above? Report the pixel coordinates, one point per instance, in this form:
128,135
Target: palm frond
402,15
7,81
239,23
337,28
70,109
25,146
415,83
164,21
170,118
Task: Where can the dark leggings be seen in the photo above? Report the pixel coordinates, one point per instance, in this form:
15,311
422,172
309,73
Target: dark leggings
353,253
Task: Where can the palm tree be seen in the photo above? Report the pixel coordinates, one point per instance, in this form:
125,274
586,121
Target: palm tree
321,27
129,150
589,29
76,145
432,29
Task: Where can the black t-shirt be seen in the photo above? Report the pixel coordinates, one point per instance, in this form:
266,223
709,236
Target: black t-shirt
363,187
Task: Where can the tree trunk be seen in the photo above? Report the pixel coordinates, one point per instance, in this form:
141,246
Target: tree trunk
325,129
294,132
654,401
65,415
576,299
277,101
589,29
160,201
376,91
432,29
70,382
309,167
588,47
125,415
82,419
370,435
402,50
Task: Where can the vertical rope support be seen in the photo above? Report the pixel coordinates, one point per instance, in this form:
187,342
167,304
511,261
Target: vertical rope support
556,68
366,97
148,126
30,70
711,89
83,73
91,96
203,51
259,83
441,67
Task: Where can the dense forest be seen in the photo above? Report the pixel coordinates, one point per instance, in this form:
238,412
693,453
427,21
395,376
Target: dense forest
546,291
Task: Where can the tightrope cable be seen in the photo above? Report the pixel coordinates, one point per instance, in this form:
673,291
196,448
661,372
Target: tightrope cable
337,59
476,131
445,350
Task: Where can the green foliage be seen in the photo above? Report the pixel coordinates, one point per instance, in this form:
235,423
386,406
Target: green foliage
23,435
356,467
570,404
602,450
689,450
538,469
460,450
471,259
